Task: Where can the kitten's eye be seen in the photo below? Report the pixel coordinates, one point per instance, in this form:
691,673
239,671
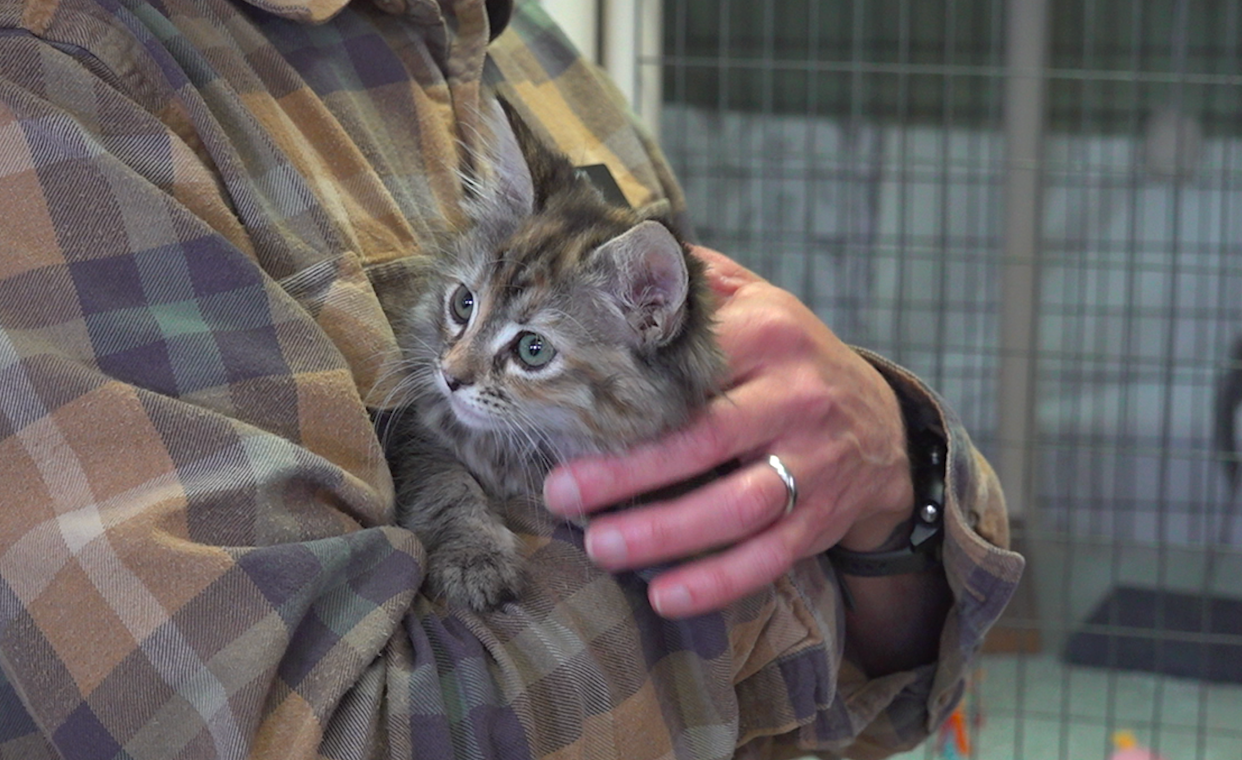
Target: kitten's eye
461,305
533,350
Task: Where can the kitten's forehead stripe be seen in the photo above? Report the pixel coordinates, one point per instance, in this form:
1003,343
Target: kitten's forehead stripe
503,337
548,246
543,254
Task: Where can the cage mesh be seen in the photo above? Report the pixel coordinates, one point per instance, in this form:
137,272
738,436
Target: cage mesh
854,153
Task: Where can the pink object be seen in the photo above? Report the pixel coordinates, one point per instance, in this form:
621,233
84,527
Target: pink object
1128,748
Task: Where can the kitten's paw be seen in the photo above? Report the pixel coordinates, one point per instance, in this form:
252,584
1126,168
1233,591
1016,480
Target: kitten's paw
475,574
482,582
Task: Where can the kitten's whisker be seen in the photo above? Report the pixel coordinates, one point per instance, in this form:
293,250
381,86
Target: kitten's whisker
391,405
414,382
400,391
393,413
541,447
520,433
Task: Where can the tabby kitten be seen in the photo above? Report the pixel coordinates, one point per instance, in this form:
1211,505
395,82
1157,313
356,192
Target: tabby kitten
555,325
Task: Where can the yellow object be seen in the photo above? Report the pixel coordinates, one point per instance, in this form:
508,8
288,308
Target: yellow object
1124,740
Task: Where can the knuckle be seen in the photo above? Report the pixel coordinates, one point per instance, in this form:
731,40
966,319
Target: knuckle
808,395
652,538
710,444
776,326
719,584
745,508
732,580
653,529
771,560
791,305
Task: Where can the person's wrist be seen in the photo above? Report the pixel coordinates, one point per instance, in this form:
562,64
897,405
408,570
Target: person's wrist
887,525
905,533
882,519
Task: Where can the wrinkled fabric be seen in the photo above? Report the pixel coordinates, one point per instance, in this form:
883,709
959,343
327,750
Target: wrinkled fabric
197,550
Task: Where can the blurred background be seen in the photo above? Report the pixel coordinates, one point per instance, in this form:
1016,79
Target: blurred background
1036,205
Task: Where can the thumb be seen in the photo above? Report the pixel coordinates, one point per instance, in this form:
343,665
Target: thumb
724,275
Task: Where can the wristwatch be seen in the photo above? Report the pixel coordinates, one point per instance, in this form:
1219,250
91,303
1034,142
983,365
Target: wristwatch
917,542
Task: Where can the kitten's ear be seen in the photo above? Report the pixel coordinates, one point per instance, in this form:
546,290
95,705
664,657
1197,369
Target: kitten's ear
513,174
647,277
547,169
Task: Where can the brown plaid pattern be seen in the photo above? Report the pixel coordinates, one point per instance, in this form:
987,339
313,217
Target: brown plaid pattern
196,551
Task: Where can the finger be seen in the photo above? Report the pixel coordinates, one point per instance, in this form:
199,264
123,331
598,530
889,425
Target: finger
726,510
724,275
721,579
727,431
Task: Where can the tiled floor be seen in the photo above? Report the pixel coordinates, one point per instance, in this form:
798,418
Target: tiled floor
1036,708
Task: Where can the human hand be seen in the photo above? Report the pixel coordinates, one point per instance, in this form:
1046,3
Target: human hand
794,390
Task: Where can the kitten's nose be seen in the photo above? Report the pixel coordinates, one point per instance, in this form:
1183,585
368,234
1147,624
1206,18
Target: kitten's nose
452,382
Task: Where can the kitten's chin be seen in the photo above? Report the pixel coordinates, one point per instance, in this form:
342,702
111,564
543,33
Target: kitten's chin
470,418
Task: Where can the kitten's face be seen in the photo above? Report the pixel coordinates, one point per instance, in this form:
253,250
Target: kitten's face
499,371
557,323
534,348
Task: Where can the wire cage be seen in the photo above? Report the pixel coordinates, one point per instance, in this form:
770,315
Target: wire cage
1036,205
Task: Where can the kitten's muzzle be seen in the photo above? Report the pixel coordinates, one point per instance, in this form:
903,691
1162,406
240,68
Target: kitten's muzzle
452,381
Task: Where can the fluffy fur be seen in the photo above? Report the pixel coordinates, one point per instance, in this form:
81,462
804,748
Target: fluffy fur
555,325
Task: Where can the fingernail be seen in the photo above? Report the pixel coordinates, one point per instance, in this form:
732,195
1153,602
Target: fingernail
561,495
606,546
671,601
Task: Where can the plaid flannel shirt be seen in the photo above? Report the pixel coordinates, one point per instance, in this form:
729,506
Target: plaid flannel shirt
197,554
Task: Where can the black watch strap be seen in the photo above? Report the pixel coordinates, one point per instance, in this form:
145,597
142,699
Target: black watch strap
919,539
921,552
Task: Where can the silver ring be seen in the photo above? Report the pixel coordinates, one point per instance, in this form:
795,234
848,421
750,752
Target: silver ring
791,486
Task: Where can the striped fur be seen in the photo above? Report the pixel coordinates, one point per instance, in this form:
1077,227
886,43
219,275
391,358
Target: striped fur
616,297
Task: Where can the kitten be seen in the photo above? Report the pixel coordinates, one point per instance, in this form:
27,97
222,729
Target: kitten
555,325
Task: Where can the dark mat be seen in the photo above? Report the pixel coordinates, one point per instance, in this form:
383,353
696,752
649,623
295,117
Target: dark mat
1158,631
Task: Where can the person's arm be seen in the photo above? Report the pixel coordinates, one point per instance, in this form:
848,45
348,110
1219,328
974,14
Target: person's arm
896,620
832,414
192,538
